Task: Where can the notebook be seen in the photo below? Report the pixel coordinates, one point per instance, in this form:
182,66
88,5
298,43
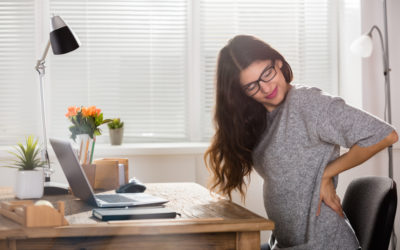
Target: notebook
133,213
81,188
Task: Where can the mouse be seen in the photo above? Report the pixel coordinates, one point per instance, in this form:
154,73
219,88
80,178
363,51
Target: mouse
133,186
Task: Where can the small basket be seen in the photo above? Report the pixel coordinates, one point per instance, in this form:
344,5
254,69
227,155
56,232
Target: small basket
27,214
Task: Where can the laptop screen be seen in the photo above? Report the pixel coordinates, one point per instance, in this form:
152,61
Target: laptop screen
73,170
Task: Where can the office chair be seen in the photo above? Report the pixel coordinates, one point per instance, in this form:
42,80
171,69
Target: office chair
370,205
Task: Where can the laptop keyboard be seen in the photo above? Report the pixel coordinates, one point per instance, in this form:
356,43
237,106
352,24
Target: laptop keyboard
112,198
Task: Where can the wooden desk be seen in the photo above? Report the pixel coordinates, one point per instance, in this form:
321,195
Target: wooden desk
207,223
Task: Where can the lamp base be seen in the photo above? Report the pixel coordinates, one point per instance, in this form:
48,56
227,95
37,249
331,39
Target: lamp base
54,188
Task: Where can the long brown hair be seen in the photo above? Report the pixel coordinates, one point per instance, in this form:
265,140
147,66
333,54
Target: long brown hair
238,119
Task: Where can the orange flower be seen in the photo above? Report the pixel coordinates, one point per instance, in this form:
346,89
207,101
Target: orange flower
72,111
90,111
85,112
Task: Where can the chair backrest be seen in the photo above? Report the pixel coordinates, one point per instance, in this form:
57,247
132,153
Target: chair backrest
370,205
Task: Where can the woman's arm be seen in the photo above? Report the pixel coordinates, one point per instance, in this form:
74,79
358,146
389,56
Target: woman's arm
354,157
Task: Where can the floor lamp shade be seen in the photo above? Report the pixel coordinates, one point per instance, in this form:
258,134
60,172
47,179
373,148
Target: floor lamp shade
362,46
62,38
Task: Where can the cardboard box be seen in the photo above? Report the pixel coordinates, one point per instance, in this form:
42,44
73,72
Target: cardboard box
106,173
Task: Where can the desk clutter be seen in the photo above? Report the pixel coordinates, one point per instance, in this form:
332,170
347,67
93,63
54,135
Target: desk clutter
30,214
107,173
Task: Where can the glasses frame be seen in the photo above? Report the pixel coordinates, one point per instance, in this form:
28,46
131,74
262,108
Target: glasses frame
268,67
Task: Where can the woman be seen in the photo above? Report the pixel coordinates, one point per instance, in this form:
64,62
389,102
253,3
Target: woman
291,135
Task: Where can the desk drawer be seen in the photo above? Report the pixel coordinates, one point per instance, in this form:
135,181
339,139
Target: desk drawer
202,241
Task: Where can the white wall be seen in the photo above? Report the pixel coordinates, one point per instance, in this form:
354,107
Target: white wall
165,163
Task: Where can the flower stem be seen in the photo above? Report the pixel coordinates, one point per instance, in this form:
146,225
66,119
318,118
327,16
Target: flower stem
91,153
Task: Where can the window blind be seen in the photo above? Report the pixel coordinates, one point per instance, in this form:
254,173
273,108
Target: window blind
132,65
303,31
19,89
134,59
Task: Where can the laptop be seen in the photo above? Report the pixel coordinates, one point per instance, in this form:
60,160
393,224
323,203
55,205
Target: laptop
81,188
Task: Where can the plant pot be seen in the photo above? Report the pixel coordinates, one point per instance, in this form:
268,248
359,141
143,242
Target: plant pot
29,184
86,148
116,136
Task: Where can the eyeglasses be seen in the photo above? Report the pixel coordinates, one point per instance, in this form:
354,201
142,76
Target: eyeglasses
266,76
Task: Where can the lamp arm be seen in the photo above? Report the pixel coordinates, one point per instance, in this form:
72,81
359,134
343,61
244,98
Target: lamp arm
41,61
388,104
385,59
40,68
386,73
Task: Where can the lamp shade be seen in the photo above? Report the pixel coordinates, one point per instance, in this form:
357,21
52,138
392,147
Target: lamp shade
62,38
362,46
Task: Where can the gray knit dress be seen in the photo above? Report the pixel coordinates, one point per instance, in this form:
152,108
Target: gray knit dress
303,135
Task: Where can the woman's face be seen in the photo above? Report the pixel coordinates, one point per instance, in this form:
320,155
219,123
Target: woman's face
264,82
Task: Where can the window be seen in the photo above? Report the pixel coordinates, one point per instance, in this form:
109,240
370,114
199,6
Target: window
151,63
18,105
132,64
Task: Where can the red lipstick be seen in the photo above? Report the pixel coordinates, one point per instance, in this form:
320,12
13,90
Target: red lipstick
273,94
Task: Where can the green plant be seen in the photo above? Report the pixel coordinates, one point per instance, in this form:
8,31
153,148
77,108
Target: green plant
115,123
85,120
27,157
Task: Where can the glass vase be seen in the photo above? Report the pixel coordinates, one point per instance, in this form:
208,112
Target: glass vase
86,148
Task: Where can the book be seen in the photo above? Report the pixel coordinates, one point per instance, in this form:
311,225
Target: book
133,213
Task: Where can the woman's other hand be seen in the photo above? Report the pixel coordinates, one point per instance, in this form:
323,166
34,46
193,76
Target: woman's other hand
355,156
328,195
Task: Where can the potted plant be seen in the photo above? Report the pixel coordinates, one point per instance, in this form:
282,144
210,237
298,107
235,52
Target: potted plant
30,179
116,131
85,126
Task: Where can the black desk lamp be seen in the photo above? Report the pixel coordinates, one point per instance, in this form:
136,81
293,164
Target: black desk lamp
62,41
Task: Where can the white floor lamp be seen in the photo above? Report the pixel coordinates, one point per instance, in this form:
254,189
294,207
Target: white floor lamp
62,40
363,47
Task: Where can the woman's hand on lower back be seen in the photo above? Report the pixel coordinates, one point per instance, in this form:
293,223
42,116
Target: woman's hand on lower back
328,195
